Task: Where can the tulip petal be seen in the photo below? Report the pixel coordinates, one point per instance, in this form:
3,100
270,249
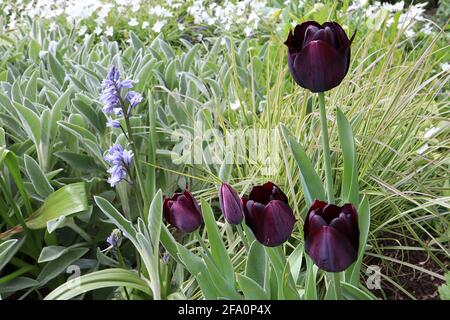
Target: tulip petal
276,224
193,201
341,36
345,226
319,66
330,250
330,212
327,36
309,34
253,214
352,219
260,194
182,211
295,39
275,192
350,209
315,222
184,215
230,204
317,204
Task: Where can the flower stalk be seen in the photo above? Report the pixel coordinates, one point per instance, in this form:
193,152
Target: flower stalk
137,166
326,149
336,280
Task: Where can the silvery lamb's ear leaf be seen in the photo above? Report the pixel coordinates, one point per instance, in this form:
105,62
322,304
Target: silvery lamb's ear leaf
51,253
7,250
166,49
37,177
31,87
56,68
55,267
54,224
16,284
136,42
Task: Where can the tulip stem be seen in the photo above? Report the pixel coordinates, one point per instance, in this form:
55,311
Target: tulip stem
337,285
242,236
326,149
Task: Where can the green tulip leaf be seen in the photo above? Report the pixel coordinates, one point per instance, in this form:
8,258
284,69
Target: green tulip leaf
256,265
197,268
311,183
351,292
251,289
218,249
350,189
352,273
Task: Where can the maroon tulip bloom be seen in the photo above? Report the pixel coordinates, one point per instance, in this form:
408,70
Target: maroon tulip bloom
332,235
318,55
268,215
182,211
230,204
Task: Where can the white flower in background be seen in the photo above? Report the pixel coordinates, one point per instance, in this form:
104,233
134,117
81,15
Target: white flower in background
427,29
357,4
445,66
235,105
109,32
12,24
136,6
42,54
82,31
145,25
7,9
248,31
105,9
409,33
157,27
98,30
174,4
52,26
161,12
181,27
133,22
229,15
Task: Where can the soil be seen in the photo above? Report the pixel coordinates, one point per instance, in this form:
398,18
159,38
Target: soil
420,284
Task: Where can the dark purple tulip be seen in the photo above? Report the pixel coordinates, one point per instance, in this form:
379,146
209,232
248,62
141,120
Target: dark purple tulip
318,55
268,215
332,235
183,212
230,204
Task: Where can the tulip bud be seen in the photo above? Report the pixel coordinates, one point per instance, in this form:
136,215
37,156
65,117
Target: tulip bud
332,235
182,211
318,55
230,204
268,215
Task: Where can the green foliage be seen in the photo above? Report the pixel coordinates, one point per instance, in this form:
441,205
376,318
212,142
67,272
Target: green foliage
53,138
444,290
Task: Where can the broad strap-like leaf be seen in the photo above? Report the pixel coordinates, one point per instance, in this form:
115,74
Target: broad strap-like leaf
350,188
311,183
218,249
